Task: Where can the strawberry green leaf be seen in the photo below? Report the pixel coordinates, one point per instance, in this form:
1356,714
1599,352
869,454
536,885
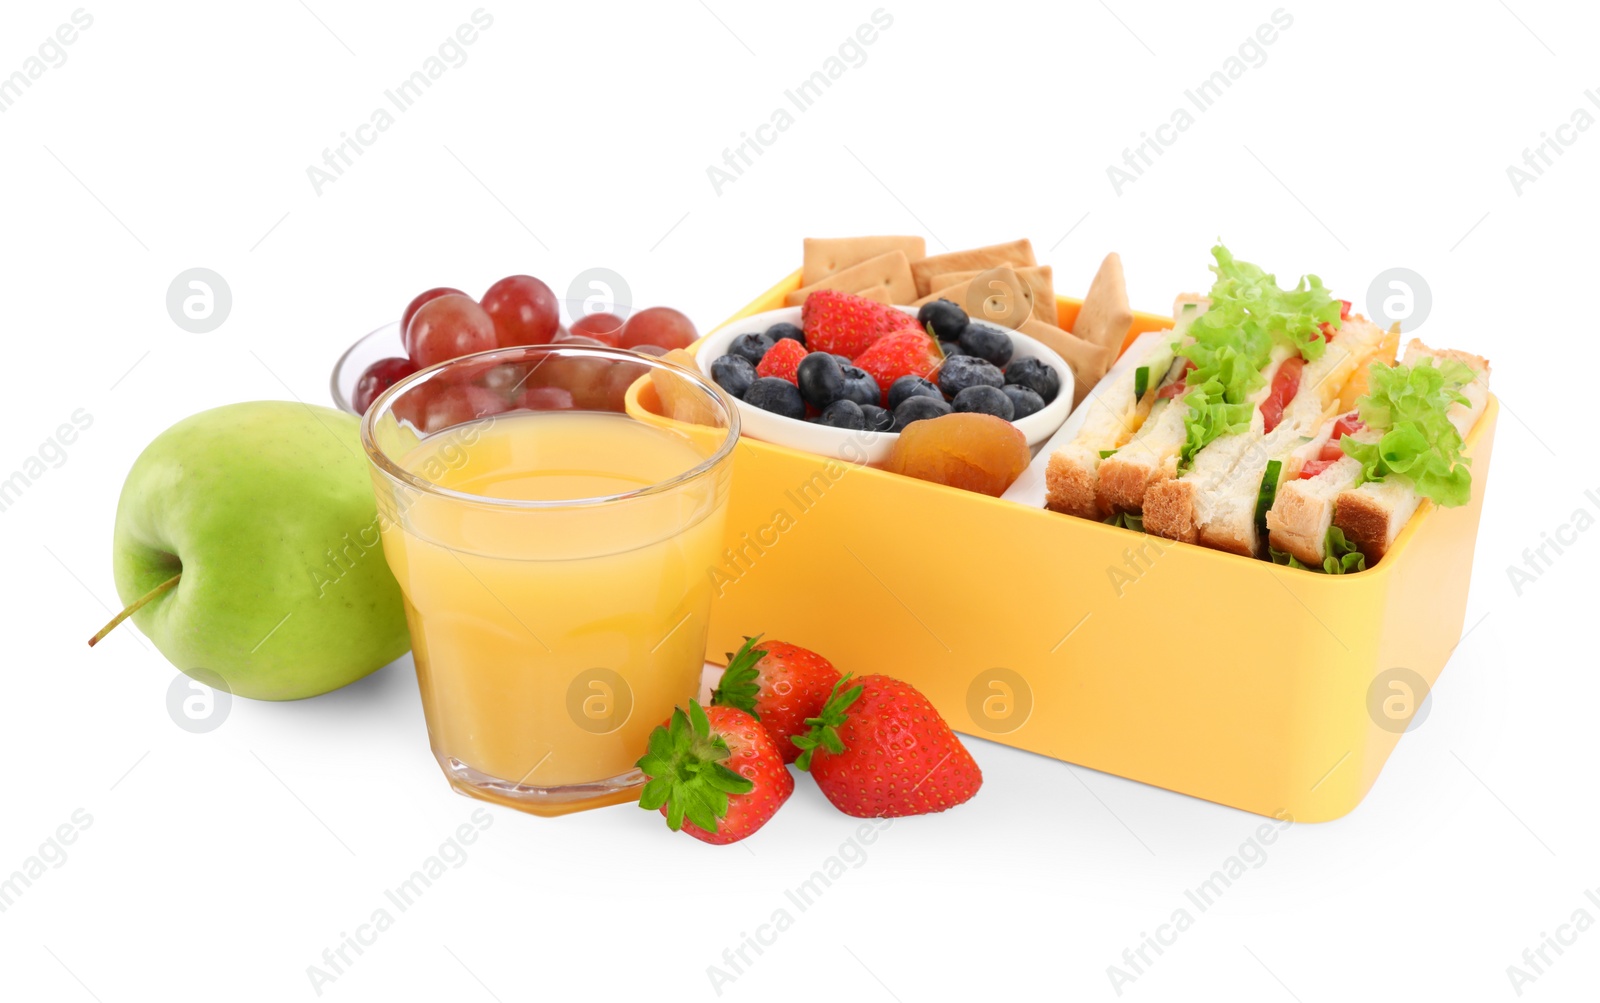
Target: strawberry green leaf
686,774
741,680
824,733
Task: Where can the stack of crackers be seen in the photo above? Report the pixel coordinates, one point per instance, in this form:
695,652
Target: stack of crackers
1002,284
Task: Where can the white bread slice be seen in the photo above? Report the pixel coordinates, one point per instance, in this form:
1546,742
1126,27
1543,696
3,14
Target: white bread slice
1150,460
1113,416
1303,509
1150,456
1215,501
1372,515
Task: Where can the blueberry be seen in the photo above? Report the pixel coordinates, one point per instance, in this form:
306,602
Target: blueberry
733,373
876,418
1023,401
1036,376
778,332
962,371
843,414
917,408
843,360
946,319
859,386
950,348
983,400
984,342
911,386
750,346
778,396
821,378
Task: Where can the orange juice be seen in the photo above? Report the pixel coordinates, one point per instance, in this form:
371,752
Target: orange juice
558,591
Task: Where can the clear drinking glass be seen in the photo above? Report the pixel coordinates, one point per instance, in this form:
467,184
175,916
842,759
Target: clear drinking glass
555,553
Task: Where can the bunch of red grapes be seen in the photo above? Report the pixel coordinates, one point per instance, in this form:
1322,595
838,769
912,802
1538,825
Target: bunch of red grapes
444,323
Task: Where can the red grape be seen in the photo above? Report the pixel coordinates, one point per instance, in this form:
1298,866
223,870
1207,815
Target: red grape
655,350
545,399
659,325
412,405
604,327
617,381
456,404
579,339
416,304
448,328
523,309
377,378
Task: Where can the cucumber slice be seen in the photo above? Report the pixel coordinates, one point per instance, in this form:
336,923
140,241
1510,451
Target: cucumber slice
1267,494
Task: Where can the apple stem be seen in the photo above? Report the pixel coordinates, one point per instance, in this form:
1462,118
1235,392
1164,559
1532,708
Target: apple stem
134,607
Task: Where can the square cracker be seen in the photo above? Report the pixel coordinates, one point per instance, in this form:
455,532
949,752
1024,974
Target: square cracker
1105,317
995,296
1018,254
826,255
1089,362
1038,278
892,271
877,294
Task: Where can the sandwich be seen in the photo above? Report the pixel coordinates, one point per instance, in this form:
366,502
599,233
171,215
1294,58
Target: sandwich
1114,414
1352,488
1215,502
1238,354
1274,423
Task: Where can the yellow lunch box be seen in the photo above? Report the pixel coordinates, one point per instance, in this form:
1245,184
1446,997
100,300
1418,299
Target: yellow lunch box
1256,686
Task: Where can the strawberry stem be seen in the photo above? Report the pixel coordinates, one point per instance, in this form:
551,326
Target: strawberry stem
824,733
684,764
741,682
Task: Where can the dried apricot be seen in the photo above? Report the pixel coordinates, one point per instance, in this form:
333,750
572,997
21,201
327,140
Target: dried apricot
974,452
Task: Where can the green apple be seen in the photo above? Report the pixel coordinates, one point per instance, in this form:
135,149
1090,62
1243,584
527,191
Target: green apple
247,545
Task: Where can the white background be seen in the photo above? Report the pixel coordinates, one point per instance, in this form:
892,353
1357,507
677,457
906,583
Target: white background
220,866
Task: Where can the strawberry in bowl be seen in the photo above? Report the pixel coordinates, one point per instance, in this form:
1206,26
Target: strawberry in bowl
841,375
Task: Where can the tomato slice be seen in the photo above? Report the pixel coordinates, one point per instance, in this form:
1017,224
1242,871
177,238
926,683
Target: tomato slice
1346,425
1285,384
1314,467
1344,314
1180,384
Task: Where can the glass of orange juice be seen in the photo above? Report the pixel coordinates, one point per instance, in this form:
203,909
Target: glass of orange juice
555,553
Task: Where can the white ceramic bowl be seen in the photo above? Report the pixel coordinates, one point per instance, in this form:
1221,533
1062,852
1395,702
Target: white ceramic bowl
868,447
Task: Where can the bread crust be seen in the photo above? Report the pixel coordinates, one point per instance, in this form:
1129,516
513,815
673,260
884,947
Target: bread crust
1123,484
1170,511
1070,486
1219,536
1365,522
1296,523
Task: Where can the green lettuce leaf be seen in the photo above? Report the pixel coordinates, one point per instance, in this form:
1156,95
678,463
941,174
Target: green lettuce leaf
1410,406
1342,556
1126,520
1233,342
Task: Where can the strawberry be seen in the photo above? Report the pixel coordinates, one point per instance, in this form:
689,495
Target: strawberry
783,360
880,750
781,685
845,325
904,353
714,774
